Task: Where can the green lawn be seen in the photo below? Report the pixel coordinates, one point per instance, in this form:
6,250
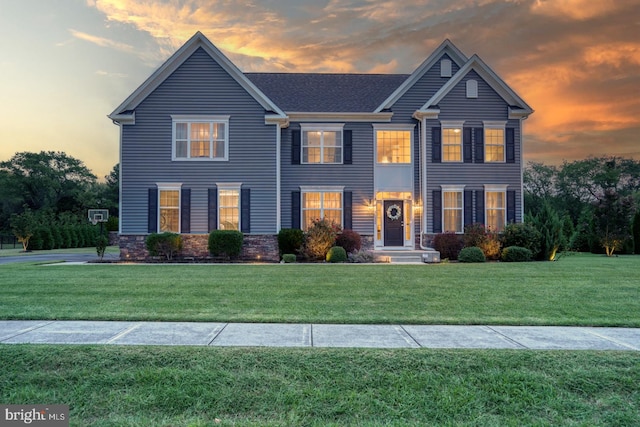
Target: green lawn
576,290
204,386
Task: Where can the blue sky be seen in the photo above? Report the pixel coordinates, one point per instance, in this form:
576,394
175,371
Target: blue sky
66,64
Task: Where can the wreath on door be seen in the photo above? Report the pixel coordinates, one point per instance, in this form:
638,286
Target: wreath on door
394,212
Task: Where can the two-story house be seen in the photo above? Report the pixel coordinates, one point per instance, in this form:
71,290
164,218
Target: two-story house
397,158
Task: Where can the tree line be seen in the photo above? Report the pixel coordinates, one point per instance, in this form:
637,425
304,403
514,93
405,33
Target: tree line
591,204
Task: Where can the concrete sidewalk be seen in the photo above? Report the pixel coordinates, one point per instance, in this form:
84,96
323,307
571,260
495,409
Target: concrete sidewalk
318,335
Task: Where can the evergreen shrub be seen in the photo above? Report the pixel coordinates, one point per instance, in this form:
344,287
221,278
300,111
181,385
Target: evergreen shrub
290,241
471,254
164,244
516,254
226,243
288,258
336,254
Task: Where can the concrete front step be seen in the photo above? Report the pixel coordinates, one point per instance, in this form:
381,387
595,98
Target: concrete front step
406,257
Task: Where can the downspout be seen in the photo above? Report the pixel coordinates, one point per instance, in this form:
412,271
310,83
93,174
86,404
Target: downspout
278,168
423,182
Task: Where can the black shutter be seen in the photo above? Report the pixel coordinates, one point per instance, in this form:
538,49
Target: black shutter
478,134
347,147
295,147
245,210
348,210
466,145
480,206
436,204
185,210
436,145
152,226
468,207
295,209
511,206
510,142
213,208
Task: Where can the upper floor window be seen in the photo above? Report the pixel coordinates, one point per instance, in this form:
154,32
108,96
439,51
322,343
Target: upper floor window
321,144
169,207
319,203
200,137
452,141
393,146
494,141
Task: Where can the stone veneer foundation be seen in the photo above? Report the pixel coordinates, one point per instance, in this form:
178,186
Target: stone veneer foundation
259,248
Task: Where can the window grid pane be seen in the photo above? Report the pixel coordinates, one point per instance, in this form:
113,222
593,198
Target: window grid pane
494,145
200,140
229,210
452,211
495,210
393,146
169,210
319,205
452,144
321,146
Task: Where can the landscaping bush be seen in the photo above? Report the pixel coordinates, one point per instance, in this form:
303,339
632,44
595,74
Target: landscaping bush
101,245
320,237
471,254
361,257
225,243
487,240
336,254
289,258
349,240
112,223
448,244
290,241
524,235
164,244
516,254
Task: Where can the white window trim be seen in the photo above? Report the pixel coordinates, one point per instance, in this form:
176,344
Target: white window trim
453,189
321,127
472,88
322,189
180,118
495,188
170,186
494,124
401,127
237,186
451,124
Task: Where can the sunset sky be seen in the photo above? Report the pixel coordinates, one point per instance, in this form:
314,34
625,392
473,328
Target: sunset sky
66,64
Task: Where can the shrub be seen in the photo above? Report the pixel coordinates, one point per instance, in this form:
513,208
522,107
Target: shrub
290,241
471,254
336,254
112,223
101,245
361,257
488,241
448,244
516,254
635,231
350,240
289,258
524,235
164,244
320,237
225,243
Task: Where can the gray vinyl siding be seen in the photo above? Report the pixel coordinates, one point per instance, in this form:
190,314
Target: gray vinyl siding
488,106
198,87
356,177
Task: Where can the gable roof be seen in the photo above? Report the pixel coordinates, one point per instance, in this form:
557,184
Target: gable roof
446,47
308,92
517,104
125,111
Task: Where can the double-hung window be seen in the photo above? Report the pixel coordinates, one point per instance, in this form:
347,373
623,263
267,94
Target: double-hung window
321,203
494,141
452,141
228,206
322,144
169,207
495,207
200,137
452,205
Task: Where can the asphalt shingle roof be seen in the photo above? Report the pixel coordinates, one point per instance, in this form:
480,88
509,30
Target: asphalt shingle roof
307,92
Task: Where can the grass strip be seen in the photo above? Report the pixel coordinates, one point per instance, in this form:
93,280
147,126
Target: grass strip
584,290
169,386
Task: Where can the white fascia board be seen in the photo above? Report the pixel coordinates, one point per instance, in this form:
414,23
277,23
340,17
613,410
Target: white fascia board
338,116
178,58
123,119
489,76
445,47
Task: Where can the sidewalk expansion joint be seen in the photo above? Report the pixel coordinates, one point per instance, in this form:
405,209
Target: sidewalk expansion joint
509,339
216,335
